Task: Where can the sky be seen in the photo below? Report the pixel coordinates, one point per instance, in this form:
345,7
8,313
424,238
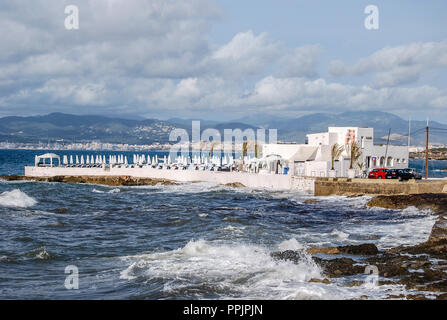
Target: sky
223,60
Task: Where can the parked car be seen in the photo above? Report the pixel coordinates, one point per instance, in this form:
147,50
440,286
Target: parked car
392,174
415,174
379,173
401,174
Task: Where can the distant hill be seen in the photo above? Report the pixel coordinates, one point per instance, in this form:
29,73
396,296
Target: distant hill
58,126
296,129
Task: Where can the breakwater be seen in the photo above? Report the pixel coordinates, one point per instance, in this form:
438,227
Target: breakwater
313,185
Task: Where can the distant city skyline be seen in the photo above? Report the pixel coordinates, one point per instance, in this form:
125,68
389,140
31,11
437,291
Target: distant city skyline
223,60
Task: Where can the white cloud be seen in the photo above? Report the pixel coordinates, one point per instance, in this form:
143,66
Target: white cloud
246,53
397,65
151,57
300,62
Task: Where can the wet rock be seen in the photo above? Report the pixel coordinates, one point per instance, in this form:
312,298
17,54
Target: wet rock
362,249
416,297
329,250
288,255
325,281
434,201
308,201
392,296
235,185
442,296
339,267
440,286
104,180
355,283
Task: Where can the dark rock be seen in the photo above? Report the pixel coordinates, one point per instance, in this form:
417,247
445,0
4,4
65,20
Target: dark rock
290,255
104,180
325,281
235,185
339,267
434,201
362,249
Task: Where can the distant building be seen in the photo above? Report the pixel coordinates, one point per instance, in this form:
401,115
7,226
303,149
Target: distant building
314,157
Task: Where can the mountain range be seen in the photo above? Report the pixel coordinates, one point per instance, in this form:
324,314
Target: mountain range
85,128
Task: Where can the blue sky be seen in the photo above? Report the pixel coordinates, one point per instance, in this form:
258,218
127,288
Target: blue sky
223,60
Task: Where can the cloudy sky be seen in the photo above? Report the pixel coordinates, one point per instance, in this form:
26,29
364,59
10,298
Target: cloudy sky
223,59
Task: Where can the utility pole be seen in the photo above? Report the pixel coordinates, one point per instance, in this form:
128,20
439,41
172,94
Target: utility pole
386,150
409,132
426,155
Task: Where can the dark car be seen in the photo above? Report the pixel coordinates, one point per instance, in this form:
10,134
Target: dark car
401,174
414,173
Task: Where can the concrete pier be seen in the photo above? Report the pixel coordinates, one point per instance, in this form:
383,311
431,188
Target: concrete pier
252,180
312,185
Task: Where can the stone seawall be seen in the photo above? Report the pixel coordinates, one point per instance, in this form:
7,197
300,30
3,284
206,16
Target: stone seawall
252,180
313,185
328,186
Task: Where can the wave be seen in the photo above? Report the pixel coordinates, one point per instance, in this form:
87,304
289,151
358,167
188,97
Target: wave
241,270
16,198
116,190
42,254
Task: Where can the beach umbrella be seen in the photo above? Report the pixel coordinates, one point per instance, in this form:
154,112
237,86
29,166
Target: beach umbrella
87,160
71,159
82,159
125,160
92,160
77,159
65,160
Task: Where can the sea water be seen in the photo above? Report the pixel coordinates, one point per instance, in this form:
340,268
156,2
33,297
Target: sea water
185,241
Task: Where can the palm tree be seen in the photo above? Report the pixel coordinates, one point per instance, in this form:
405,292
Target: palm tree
336,152
256,149
244,150
355,153
213,144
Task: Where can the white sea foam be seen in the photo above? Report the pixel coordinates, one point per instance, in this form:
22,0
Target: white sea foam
243,271
231,228
42,254
246,269
16,198
114,191
97,191
339,235
291,244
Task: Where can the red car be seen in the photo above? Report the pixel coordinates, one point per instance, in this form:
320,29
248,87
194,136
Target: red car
379,173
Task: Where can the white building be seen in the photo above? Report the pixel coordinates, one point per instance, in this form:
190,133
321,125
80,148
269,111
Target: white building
314,158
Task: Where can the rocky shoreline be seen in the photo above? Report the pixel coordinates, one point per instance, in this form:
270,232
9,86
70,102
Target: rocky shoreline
104,180
421,268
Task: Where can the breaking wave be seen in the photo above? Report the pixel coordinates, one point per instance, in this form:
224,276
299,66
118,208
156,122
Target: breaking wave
16,198
232,271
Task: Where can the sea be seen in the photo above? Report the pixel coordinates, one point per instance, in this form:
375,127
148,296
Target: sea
184,241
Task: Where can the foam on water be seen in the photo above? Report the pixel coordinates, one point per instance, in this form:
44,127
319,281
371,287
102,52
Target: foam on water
16,198
240,270
202,269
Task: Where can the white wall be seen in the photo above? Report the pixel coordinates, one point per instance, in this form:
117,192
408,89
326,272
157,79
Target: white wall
248,179
284,150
